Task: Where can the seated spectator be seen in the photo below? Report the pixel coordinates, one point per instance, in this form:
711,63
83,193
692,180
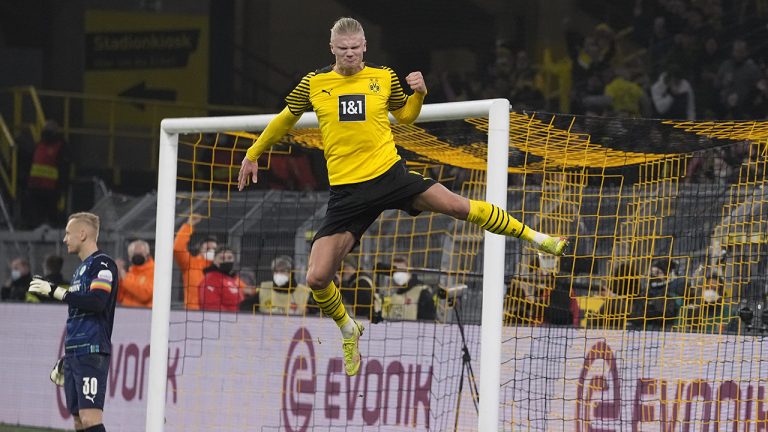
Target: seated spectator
221,289
357,291
411,299
656,307
52,271
282,295
137,284
706,308
192,266
539,298
15,288
618,296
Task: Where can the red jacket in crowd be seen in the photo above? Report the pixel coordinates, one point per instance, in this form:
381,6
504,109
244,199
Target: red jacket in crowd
220,291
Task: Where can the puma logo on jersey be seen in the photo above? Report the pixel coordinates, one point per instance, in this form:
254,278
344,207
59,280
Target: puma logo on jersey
104,264
326,91
90,398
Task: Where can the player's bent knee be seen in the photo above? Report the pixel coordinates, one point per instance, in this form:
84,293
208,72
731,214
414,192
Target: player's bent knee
90,417
318,281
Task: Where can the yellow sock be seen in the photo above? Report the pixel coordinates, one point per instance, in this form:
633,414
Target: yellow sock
329,300
498,221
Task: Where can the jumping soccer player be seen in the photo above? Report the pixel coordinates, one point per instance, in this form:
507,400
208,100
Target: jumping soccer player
88,341
352,100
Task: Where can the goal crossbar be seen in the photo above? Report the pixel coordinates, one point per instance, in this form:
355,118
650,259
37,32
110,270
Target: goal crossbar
497,111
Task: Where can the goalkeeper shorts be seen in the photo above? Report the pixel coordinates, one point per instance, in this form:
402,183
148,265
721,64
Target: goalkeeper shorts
354,207
85,381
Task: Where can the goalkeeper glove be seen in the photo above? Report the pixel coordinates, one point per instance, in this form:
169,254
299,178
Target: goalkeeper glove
43,287
57,373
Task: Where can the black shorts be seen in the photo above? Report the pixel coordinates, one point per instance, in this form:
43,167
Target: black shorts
85,381
354,207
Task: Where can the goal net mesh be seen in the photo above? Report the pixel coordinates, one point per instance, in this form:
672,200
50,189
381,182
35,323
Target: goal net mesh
638,326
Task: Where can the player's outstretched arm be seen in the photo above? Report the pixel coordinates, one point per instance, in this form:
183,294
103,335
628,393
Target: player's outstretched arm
410,111
275,130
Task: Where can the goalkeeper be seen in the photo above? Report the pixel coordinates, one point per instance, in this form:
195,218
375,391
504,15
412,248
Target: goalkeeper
87,343
352,100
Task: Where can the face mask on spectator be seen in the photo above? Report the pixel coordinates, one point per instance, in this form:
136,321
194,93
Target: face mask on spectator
227,267
15,274
281,279
401,278
710,296
209,254
138,260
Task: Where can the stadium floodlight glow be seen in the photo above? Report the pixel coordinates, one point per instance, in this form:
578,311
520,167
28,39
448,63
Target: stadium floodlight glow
497,111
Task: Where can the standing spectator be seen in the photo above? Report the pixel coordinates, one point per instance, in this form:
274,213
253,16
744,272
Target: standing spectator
412,299
626,95
760,99
192,266
137,284
357,290
52,271
736,80
282,295
47,178
705,82
15,287
672,96
88,336
221,289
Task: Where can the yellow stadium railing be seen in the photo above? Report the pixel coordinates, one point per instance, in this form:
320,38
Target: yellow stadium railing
106,120
8,159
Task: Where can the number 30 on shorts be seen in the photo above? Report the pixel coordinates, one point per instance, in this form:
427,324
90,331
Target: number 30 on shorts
90,386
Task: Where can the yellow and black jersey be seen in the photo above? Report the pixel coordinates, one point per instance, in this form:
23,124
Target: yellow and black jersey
353,116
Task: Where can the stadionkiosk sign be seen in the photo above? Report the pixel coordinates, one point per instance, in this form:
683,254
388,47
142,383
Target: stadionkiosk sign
144,56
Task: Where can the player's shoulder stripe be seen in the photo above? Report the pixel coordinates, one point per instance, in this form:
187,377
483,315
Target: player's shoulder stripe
375,66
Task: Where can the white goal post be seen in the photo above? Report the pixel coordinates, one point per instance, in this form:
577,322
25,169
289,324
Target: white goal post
497,111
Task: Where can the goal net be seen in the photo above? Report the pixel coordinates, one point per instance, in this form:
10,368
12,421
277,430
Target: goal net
638,327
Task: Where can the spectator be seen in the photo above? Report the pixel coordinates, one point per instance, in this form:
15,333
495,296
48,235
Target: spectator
15,288
660,45
653,309
137,284
705,83
736,80
760,99
706,308
357,290
622,288
525,93
52,271
192,266
412,299
672,95
47,178
221,289
626,95
282,295
539,298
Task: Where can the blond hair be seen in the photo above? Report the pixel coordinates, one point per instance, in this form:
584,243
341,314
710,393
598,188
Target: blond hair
90,219
346,26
